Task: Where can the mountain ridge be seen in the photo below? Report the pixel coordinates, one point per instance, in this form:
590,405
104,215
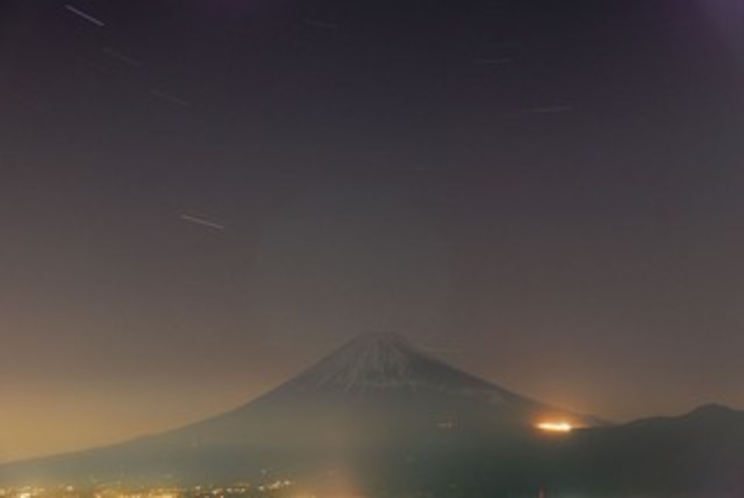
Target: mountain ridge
390,413
376,393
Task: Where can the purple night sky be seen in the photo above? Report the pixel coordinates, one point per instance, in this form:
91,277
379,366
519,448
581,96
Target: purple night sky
199,198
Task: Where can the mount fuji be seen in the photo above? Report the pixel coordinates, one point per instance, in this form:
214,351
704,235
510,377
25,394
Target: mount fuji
375,402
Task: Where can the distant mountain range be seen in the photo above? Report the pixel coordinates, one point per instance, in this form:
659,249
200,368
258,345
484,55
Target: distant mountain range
393,420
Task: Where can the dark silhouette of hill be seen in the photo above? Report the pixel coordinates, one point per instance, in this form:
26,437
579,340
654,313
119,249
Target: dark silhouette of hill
700,453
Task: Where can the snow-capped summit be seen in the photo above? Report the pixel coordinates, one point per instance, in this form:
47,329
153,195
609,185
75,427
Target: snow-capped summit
371,361
378,361
386,362
382,376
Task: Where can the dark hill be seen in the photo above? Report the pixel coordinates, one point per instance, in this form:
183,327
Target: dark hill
700,453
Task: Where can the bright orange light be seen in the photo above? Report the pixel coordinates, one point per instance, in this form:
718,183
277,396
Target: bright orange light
555,426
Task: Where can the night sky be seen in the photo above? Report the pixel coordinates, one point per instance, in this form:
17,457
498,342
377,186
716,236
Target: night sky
199,198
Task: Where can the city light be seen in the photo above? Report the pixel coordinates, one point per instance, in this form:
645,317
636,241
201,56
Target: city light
555,426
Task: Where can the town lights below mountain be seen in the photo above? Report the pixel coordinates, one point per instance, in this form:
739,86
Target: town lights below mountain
555,426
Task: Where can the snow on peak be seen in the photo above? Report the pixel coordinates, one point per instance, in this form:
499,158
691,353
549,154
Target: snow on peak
385,361
370,361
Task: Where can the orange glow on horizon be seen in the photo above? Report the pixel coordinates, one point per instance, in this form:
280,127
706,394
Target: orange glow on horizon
555,426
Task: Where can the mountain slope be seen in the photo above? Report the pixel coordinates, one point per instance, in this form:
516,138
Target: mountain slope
377,398
372,386
389,418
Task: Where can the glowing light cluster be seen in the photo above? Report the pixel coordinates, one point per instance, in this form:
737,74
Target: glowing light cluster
555,426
